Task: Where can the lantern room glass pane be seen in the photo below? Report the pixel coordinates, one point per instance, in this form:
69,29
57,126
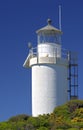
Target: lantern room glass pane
49,38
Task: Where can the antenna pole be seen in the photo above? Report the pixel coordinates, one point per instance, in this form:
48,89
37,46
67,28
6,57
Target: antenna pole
60,17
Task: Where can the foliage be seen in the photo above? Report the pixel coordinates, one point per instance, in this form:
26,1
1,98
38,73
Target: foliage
66,117
42,128
19,118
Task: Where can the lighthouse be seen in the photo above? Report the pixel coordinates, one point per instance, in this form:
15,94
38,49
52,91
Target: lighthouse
49,67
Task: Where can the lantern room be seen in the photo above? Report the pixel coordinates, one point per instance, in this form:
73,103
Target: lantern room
49,34
49,41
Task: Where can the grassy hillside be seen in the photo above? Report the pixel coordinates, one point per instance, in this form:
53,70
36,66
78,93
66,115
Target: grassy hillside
66,117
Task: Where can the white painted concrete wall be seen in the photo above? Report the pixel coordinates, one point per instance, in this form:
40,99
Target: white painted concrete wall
49,87
49,50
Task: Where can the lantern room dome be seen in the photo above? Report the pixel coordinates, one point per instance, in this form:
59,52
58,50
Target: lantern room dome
49,29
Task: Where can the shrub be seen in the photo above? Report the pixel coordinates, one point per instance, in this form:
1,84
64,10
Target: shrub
42,128
19,118
74,104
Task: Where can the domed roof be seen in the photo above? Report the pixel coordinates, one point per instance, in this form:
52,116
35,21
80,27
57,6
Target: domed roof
49,29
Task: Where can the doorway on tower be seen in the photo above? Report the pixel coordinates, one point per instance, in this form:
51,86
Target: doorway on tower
73,75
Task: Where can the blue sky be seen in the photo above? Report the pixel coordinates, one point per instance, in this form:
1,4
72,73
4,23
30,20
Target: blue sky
19,19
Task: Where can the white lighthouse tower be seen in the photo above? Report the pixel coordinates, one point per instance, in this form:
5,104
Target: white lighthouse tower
49,71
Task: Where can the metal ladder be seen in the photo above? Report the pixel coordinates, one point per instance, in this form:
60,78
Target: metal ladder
73,76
